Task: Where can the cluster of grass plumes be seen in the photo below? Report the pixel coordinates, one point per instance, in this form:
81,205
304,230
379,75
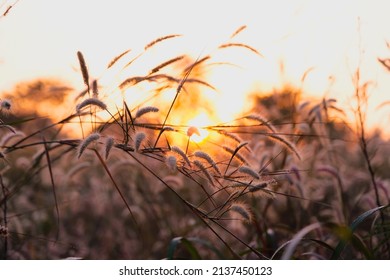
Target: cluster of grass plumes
134,179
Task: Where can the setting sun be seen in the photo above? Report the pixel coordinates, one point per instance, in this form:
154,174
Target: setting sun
199,122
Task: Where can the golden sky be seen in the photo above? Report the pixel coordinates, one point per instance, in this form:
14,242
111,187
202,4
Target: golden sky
40,38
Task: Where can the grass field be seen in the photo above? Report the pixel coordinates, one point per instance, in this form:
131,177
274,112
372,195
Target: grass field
127,175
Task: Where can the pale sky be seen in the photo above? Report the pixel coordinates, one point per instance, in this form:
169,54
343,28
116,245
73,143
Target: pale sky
40,38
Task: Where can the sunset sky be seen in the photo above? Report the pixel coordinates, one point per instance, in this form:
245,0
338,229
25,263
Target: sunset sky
40,38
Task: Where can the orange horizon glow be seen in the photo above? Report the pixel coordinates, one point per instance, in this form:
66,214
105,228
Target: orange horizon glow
40,39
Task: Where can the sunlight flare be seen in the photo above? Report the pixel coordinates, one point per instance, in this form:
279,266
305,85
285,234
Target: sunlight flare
197,127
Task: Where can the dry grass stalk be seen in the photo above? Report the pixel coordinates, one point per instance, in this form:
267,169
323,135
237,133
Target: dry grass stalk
158,40
286,143
235,138
145,110
108,146
197,81
86,142
166,63
206,157
171,163
249,171
196,63
258,187
95,88
138,139
9,136
7,10
152,78
204,171
115,59
230,135
180,152
262,121
10,128
84,69
235,153
228,45
132,81
239,30
243,210
91,101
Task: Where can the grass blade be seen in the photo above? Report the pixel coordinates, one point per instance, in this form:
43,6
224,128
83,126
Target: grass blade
343,243
188,246
293,243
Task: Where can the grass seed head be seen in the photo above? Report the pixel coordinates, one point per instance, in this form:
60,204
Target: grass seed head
146,110
171,163
139,137
84,69
180,152
91,101
108,146
206,157
243,210
249,171
204,171
86,142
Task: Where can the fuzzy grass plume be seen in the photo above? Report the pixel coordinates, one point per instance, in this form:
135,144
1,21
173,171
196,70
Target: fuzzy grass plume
291,147
203,169
138,139
108,146
183,155
86,142
145,110
84,69
242,210
171,162
205,156
91,101
262,121
249,171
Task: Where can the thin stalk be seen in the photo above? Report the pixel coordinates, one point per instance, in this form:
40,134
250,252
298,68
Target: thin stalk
359,91
5,218
117,188
52,184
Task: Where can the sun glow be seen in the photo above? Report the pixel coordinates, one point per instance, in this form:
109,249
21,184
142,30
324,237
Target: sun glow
197,128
